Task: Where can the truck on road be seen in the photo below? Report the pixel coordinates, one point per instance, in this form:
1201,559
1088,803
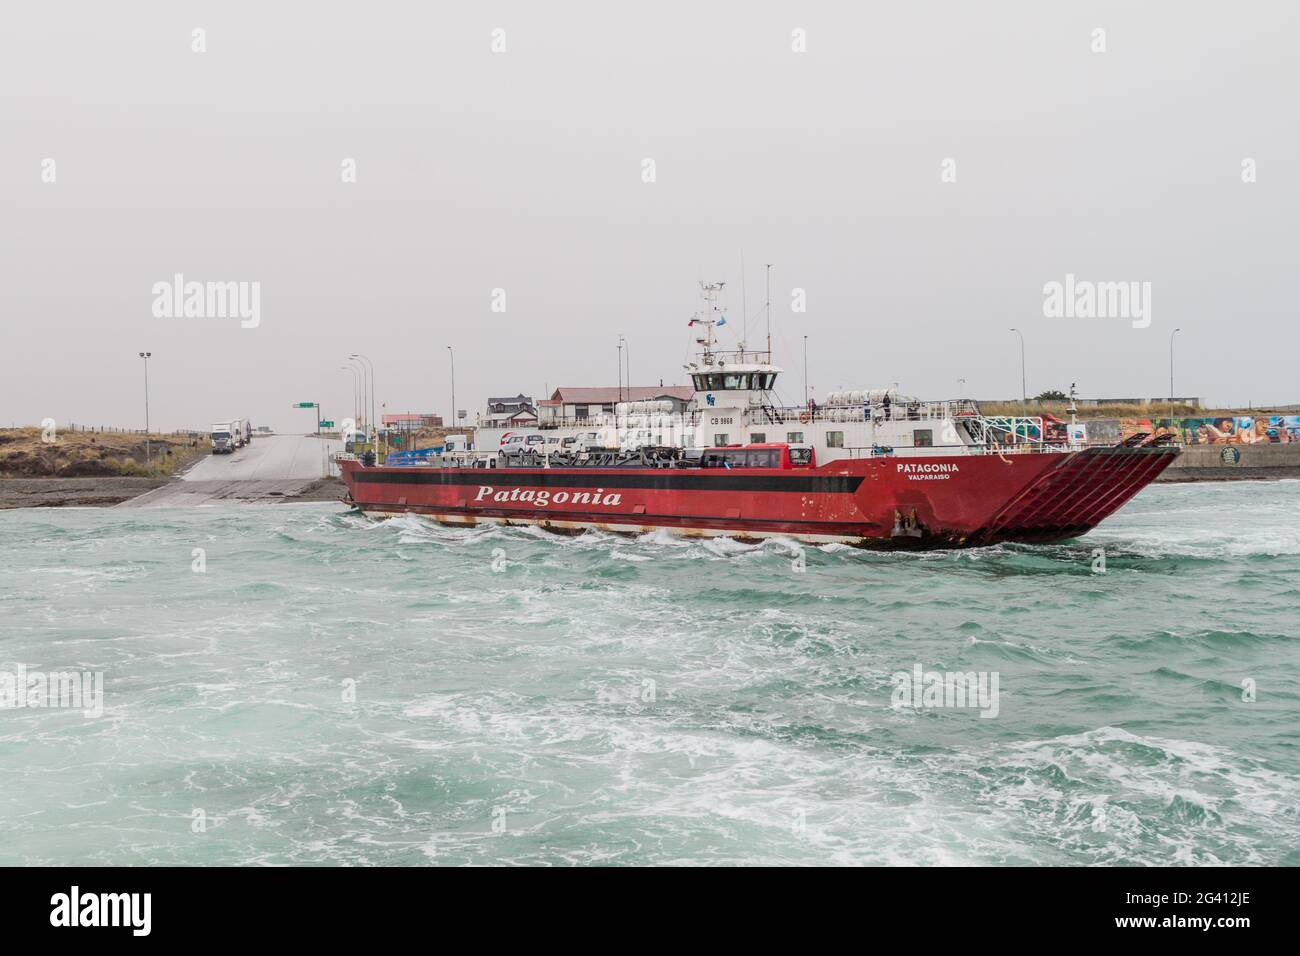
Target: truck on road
223,439
237,432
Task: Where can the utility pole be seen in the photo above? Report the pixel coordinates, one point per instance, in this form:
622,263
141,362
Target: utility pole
767,279
145,356
805,371
620,368
451,356
1171,376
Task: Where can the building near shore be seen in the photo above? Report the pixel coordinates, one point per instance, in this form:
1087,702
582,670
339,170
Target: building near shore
411,422
582,403
515,410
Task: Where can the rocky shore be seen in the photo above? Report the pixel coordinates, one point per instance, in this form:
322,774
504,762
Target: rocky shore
105,492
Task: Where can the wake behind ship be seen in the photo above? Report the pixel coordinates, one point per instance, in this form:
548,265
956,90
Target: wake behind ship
872,468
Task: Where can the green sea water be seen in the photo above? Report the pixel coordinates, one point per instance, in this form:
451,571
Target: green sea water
327,688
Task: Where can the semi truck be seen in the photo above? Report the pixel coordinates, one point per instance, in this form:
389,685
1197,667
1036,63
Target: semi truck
237,432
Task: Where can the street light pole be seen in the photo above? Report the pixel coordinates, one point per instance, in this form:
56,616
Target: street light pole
373,420
355,385
451,355
1171,376
365,393
145,356
620,368
1023,391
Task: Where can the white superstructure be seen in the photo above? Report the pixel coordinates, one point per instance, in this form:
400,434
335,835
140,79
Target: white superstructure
735,403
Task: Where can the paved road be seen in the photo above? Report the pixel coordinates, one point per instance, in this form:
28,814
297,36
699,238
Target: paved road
271,467
270,458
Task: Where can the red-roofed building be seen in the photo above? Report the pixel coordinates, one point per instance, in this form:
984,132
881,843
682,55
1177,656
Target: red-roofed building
580,403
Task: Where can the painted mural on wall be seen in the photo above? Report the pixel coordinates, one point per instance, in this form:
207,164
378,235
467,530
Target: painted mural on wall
1218,430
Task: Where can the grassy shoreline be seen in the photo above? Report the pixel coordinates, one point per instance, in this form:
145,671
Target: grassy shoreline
26,453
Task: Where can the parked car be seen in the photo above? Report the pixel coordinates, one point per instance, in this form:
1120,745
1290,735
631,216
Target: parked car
519,443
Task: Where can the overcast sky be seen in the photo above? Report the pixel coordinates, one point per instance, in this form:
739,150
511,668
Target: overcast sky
524,170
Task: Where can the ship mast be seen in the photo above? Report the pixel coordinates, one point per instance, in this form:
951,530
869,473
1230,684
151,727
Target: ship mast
708,317
768,307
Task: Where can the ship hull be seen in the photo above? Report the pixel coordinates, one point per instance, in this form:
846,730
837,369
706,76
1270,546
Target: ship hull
889,502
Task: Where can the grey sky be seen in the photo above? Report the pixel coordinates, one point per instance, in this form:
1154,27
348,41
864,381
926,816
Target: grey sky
523,170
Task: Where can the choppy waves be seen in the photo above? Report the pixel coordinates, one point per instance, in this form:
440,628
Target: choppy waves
340,690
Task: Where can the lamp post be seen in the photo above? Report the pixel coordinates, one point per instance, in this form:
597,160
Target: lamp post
374,422
620,368
1023,391
451,357
356,383
1171,376
145,356
364,417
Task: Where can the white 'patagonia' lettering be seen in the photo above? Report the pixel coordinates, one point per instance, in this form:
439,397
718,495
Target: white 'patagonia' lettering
928,468
541,498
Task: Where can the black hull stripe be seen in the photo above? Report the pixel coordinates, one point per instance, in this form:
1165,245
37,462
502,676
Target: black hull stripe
656,480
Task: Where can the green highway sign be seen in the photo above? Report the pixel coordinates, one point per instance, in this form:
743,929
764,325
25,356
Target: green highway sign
305,405
326,424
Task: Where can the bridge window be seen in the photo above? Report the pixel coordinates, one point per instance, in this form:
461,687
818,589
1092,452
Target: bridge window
794,438
757,438
835,439
922,437
721,438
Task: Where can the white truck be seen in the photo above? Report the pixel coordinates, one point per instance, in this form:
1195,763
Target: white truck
237,432
223,439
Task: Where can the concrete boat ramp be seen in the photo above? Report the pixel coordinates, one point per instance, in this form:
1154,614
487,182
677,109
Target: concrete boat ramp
271,468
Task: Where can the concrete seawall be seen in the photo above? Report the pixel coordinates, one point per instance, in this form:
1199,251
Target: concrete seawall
1208,463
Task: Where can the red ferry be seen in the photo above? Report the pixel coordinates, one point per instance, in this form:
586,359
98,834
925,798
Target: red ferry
757,491
871,468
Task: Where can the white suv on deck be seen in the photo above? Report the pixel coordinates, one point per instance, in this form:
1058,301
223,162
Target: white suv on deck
518,444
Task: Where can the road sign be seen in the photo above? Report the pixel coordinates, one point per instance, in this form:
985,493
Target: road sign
326,423
305,405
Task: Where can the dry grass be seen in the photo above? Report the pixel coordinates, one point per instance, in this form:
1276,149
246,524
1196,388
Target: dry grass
94,454
431,437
